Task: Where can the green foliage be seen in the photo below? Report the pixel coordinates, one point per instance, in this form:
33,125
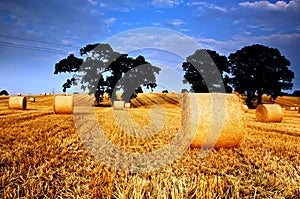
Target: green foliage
201,70
4,92
260,70
102,70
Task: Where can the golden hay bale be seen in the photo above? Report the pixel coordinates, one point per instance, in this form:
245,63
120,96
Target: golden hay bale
127,105
32,99
17,103
269,113
63,104
245,107
118,105
292,108
19,94
216,118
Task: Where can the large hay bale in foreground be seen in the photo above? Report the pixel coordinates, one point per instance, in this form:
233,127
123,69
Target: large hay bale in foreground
32,99
17,103
220,121
63,104
269,113
118,105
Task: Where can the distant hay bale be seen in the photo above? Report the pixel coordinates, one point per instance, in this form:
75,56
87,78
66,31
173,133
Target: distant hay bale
269,113
127,105
221,119
245,107
63,104
19,94
32,99
118,105
43,94
293,108
17,103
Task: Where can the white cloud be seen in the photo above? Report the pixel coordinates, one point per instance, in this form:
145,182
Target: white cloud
202,4
165,3
266,5
92,2
176,22
111,20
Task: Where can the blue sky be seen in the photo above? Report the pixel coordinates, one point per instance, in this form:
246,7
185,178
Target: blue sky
36,34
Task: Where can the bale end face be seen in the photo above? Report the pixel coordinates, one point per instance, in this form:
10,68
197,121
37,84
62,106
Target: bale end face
32,99
17,103
63,104
269,113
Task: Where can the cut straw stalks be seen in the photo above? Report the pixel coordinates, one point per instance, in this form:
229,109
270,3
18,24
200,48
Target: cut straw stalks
269,113
245,107
118,105
220,121
17,103
63,104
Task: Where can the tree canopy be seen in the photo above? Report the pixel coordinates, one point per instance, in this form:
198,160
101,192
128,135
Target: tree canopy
4,92
205,65
259,70
102,70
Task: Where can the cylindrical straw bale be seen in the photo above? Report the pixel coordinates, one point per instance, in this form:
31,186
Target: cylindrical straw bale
217,119
32,99
292,108
118,105
19,94
63,104
269,113
245,107
17,103
127,105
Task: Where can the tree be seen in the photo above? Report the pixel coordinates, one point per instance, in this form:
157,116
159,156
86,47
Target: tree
210,65
259,70
102,70
4,92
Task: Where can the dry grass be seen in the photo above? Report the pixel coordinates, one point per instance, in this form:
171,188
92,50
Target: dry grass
41,156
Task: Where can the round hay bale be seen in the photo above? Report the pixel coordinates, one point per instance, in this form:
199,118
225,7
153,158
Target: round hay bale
217,119
292,108
245,107
127,105
118,105
19,94
32,99
63,104
17,103
269,113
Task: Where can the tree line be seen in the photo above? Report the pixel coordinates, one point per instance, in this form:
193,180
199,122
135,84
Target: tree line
251,71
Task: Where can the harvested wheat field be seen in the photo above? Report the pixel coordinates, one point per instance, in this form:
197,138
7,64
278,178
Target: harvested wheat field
42,156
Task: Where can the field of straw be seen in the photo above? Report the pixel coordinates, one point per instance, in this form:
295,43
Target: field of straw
42,156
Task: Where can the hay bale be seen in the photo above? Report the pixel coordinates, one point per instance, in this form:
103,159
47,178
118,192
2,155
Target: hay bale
269,113
118,105
220,121
292,108
63,104
17,103
32,99
245,107
19,94
127,105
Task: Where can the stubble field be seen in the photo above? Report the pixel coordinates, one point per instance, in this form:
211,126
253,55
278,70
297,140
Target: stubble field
42,156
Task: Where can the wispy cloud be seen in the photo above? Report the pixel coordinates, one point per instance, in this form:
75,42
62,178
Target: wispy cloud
165,3
202,4
266,5
176,22
110,20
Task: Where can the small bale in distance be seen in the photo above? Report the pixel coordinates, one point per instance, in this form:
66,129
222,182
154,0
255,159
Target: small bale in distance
32,99
19,94
127,105
245,107
63,104
118,105
269,113
17,103
217,113
292,108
